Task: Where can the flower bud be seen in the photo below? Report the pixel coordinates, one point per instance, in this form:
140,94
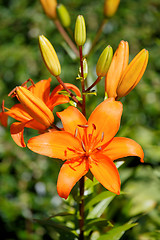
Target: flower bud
85,69
49,7
133,73
80,31
35,107
49,56
110,7
104,61
63,15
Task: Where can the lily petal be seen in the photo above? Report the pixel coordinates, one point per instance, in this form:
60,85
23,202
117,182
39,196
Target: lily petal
72,87
121,147
41,89
71,118
105,172
106,118
117,67
70,173
3,118
17,129
56,144
19,113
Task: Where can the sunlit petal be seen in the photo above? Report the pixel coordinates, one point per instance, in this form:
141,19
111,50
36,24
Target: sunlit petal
56,144
70,173
105,172
71,118
19,113
121,147
106,118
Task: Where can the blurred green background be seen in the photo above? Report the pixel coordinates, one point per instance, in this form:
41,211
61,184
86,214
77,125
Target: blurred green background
28,180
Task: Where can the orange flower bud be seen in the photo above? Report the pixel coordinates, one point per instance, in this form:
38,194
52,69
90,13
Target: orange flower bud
110,7
49,56
133,73
49,7
80,31
35,107
117,67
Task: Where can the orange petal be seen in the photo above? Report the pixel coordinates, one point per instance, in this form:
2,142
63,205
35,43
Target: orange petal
71,118
106,118
19,113
57,100
70,173
72,87
105,172
117,67
17,130
133,73
56,144
3,118
121,147
41,89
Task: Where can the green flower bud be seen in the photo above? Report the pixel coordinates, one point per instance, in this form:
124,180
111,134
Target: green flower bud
80,31
63,15
49,56
104,61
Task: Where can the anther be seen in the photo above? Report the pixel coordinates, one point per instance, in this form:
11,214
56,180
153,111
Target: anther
102,136
94,126
29,80
76,132
99,148
83,126
83,146
12,93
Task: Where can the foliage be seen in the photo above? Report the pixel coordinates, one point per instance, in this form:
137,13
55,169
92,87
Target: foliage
28,196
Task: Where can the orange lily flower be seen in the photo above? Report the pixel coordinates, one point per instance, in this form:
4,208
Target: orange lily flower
121,77
87,145
35,108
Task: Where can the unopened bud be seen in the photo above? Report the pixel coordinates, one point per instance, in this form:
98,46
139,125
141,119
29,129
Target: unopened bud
49,56
35,107
80,31
110,7
63,15
49,7
104,61
133,73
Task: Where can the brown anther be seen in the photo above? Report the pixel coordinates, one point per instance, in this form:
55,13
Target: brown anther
102,136
70,149
29,80
76,132
65,153
83,146
2,106
94,126
83,126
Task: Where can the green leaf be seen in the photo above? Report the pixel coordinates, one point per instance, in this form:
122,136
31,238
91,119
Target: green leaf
97,222
117,232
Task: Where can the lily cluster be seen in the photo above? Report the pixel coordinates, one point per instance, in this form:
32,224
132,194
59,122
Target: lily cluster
84,145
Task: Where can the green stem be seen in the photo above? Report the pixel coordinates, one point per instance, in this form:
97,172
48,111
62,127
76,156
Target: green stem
70,93
81,182
93,84
66,37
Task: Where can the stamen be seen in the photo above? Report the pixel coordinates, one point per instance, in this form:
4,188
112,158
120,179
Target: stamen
2,106
12,93
76,133
29,80
102,136
72,150
83,146
83,126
